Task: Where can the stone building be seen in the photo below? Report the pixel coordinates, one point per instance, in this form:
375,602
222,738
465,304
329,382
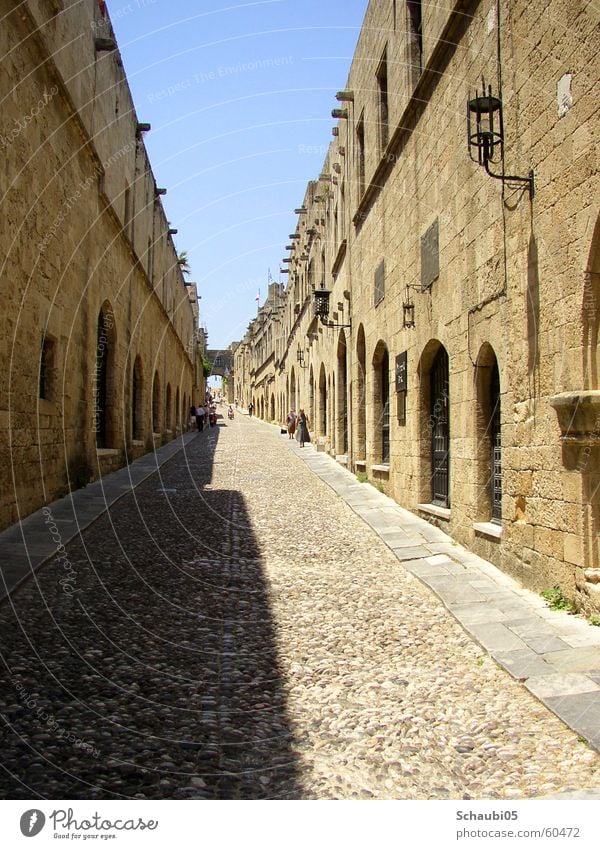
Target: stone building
440,320
98,332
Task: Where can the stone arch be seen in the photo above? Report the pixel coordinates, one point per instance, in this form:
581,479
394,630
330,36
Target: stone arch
105,394
434,424
137,400
361,395
381,403
488,437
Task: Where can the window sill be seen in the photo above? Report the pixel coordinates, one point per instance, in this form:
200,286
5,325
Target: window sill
434,510
382,468
361,464
107,452
488,529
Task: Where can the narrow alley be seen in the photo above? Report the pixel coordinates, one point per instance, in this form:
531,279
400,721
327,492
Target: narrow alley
233,630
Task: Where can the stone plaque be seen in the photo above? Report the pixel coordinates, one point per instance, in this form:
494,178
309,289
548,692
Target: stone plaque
401,372
430,255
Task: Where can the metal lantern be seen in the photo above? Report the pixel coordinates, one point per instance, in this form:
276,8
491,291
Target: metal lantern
485,125
485,134
321,303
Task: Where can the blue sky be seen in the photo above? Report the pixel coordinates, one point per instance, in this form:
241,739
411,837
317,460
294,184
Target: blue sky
239,96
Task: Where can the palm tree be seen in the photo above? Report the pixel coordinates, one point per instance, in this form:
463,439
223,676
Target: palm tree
184,263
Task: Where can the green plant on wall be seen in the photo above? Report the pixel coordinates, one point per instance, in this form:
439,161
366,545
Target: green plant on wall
556,600
207,365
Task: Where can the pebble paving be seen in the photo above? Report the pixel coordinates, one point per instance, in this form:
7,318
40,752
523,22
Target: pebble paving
235,631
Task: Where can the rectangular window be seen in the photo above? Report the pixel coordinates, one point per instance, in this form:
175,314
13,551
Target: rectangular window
360,153
415,39
382,91
47,370
379,289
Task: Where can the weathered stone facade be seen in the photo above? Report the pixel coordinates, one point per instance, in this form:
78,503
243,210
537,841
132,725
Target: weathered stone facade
98,333
467,385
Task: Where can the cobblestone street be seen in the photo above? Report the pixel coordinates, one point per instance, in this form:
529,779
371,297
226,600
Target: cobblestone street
236,631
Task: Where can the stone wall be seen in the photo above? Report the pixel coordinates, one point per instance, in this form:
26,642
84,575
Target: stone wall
91,289
516,291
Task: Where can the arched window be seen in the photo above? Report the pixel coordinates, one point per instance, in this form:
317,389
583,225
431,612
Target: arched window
360,402
440,429
381,404
342,399
495,445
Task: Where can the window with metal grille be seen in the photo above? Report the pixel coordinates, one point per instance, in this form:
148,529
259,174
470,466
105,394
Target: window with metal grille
360,150
440,430
385,408
496,447
46,384
379,289
382,89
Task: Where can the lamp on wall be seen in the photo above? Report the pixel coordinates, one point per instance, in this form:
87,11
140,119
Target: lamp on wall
300,357
408,308
487,135
321,308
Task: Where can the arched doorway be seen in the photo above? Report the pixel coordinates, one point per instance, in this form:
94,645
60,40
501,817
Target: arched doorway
156,418
322,402
104,390
293,396
488,433
137,409
168,409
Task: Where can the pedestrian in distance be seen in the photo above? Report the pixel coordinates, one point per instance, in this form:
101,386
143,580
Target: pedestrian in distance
200,413
302,434
290,423
193,417
250,409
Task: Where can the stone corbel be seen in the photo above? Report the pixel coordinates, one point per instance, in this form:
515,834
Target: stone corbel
578,416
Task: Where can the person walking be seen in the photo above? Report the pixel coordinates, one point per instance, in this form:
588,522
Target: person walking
250,408
290,422
302,435
200,413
